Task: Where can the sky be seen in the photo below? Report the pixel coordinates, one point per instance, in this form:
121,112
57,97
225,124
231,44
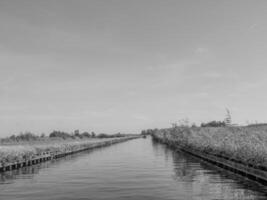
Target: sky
122,66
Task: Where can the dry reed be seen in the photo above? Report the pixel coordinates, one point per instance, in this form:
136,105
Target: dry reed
244,144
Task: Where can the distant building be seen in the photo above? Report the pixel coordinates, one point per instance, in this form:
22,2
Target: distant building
228,118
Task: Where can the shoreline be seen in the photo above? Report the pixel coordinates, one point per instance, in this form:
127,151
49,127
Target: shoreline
51,155
246,170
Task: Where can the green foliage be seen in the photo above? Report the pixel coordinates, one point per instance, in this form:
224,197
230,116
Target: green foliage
104,135
214,124
60,134
27,136
93,134
245,144
148,131
86,134
21,151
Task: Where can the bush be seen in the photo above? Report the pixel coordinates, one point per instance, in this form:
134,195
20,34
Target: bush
148,131
86,134
60,134
214,124
103,135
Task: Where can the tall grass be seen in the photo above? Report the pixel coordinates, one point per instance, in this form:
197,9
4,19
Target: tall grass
16,151
245,144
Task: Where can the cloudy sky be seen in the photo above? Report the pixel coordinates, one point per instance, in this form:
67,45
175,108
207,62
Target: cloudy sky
110,66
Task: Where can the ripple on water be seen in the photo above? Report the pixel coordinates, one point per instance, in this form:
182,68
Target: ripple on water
137,169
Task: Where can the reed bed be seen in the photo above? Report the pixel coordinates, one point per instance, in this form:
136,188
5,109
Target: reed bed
26,150
243,144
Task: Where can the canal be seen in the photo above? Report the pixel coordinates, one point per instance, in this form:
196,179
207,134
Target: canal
136,169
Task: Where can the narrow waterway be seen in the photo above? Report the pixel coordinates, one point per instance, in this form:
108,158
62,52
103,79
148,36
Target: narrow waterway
137,169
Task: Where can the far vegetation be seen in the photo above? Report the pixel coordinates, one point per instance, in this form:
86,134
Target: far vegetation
245,144
27,145
56,135
214,124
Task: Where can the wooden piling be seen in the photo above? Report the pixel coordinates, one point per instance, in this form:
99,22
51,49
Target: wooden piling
250,172
54,155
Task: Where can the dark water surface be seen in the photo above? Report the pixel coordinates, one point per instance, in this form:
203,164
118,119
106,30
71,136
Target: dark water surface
137,169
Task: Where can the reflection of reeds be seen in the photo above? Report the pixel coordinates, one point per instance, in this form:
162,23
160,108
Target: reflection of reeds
245,144
17,152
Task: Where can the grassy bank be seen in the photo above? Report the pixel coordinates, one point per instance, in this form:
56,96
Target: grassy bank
12,152
244,144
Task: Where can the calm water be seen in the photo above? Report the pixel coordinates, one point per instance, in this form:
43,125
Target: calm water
137,169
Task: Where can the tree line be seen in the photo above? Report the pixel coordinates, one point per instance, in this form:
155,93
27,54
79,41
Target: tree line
28,136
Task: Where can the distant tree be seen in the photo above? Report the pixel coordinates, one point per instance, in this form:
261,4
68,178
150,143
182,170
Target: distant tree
60,134
13,137
42,135
27,136
257,125
149,131
77,133
194,125
143,132
93,134
86,134
213,124
103,135
117,135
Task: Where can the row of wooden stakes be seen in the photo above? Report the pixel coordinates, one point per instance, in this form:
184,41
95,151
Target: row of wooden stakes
45,156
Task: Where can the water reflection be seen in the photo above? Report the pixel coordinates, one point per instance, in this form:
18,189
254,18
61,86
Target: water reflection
29,172
139,169
205,180
25,172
